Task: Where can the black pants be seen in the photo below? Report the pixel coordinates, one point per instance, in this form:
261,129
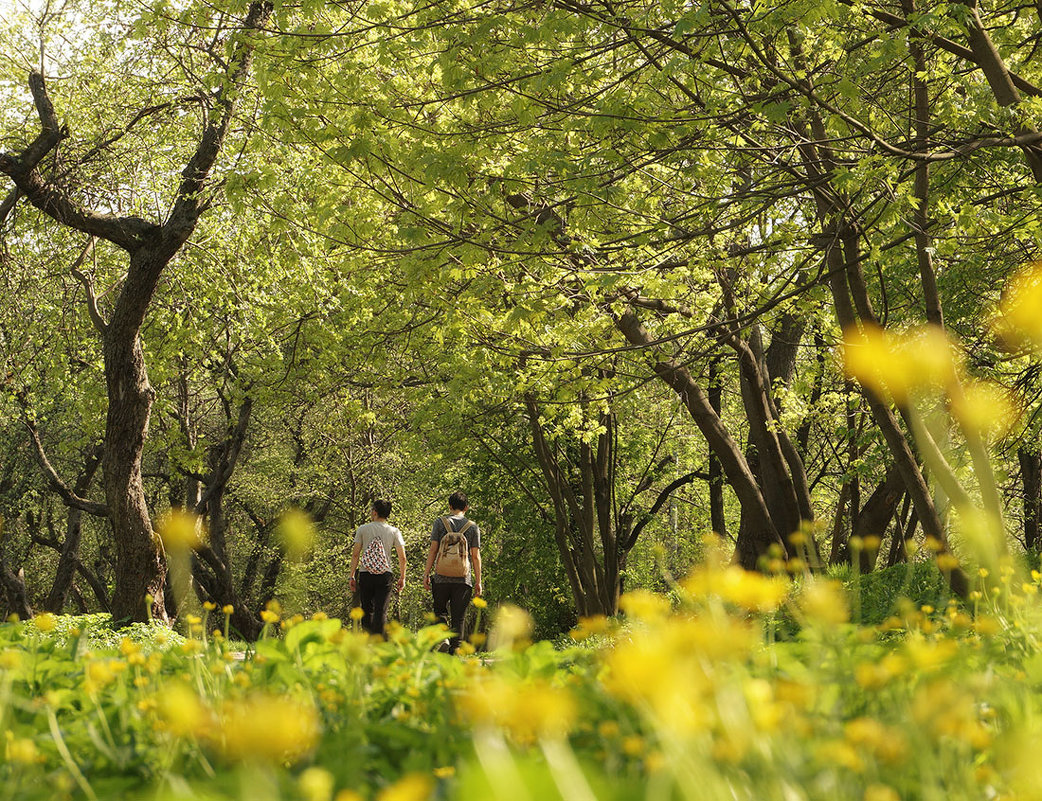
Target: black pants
450,605
374,594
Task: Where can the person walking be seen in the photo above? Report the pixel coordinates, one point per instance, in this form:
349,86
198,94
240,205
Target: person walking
371,557
455,550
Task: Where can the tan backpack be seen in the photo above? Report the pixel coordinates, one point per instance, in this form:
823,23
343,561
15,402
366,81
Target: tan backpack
453,560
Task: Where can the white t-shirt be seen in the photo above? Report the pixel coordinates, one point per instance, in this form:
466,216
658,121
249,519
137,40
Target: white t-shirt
387,534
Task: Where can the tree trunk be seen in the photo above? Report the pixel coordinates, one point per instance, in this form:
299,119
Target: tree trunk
717,520
1031,480
874,518
70,552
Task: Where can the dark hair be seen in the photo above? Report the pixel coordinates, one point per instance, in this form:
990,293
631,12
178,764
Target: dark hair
458,501
382,508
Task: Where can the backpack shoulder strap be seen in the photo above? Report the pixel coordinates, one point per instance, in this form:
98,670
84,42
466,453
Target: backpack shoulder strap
448,526
465,526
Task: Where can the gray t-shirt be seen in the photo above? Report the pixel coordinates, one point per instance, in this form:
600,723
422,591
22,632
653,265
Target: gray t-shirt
387,534
473,535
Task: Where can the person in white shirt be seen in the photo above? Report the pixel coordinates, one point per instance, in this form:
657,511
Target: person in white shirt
371,557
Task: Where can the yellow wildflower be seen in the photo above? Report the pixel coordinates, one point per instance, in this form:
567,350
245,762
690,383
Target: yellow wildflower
45,622
479,602
297,533
528,710
644,605
824,601
512,626
1019,321
316,784
413,787
881,792
985,408
752,591
182,712
181,530
267,728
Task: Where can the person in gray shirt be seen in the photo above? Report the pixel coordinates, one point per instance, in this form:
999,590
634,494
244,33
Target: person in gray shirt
451,594
371,556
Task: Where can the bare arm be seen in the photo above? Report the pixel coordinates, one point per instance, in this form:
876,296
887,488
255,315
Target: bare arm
355,552
401,565
475,558
431,553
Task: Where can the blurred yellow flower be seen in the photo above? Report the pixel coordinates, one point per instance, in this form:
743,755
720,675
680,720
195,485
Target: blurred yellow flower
316,784
512,625
644,605
479,602
182,712
296,531
44,621
824,601
900,364
529,710
1019,319
22,750
356,613
413,787
181,530
881,792
752,591
268,728
445,772
985,409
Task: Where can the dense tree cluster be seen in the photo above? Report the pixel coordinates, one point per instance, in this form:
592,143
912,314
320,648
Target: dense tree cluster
591,261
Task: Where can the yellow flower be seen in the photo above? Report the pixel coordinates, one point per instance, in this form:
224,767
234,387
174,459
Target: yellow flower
316,784
22,750
181,530
268,616
297,533
414,787
985,408
881,792
528,710
10,659
644,605
512,626
899,365
445,772
752,591
44,622
182,712
824,601
228,609
1019,320
268,728
357,613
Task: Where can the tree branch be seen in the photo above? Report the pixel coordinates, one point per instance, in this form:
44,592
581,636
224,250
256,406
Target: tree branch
126,232
69,497
88,286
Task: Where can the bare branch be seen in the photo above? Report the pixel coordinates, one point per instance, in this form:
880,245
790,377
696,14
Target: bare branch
69,497
88,286
126,232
